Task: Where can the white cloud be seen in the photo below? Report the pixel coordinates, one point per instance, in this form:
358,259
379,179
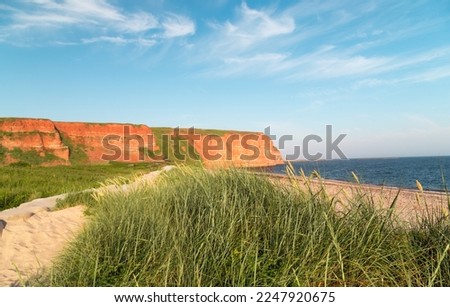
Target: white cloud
107,39
326,63
119,41
338,67
177,25
95,13
264,57
330,61
80,11
431,75
95,9
252,27
250,64
409,60
318,41
258,24
140,22
91,20
24,20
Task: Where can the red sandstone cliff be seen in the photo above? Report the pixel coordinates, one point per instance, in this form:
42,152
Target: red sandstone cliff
37,135
101,143
237,149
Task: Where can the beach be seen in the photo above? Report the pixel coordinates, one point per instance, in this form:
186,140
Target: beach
28,244
410,204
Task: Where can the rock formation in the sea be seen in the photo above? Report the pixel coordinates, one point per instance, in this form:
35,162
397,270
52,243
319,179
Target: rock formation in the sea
44,142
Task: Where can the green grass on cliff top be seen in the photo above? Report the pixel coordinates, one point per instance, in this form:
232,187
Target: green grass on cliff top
168,130
168,145
19,184
4,119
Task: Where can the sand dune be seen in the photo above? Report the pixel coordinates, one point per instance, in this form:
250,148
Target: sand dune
28,244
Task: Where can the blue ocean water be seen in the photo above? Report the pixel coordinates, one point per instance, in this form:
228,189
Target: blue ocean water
398,172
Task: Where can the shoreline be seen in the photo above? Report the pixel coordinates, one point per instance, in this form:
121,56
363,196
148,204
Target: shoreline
410,204
338,182
399,172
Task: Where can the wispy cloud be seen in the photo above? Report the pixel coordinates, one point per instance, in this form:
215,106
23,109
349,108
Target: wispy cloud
250,28
423,76
241,64
310,40
177,25
91,18
431,75
42,13
320,41
119,40
139,22
335,66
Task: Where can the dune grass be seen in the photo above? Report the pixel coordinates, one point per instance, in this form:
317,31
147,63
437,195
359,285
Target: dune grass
22,183
232,228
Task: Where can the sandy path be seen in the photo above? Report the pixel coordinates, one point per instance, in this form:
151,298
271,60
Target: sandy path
28,244
32,235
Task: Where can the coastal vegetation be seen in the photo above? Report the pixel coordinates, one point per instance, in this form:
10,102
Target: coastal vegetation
22,182
195,227
173,149
77,154
32,157
3,152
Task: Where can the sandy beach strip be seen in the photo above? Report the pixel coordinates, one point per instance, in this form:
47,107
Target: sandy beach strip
410,203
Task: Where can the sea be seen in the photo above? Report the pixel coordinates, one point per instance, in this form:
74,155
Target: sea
431,172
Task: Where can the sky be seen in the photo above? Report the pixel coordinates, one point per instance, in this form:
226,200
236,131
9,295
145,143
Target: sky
377,71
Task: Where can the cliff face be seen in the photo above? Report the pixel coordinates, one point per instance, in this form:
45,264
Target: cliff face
238,150
101,143
42,141
36,136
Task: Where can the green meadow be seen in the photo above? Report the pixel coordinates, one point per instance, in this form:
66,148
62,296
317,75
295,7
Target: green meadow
21,182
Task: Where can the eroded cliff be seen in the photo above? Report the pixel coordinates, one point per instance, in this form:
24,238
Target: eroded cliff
101,143
35,141
42,141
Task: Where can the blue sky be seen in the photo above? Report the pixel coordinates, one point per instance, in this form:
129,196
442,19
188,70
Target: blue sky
378,71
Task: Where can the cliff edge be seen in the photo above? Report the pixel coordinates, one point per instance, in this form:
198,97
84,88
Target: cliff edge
44,142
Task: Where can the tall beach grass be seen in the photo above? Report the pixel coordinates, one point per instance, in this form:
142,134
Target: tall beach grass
195,227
